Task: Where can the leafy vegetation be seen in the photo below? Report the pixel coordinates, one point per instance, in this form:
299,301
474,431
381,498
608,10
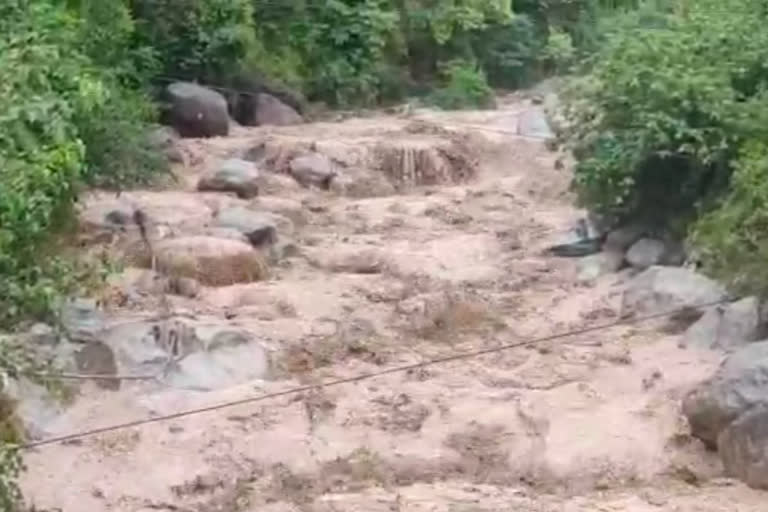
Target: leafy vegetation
669,124
466,85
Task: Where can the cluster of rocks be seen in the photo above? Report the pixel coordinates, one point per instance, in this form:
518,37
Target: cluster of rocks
197,111
604,253
729,411
207,354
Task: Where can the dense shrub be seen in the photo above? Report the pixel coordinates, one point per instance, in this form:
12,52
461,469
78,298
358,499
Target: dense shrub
63,121
732,239
658,121
466,86
196,39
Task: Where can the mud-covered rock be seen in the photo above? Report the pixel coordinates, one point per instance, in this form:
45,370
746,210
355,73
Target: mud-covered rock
97,358
597,265
196,111
622,238
743,447
645,253
740,384
660,289
81,319
352,260
234,175
728,326
211,261
229,358
313,169
258,227
272,111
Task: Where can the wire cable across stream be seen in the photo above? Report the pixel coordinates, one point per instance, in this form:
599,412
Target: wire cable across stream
367,376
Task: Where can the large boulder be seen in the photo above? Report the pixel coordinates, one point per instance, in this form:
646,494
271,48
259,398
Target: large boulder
243,97
229,358
645,253
313,169
210,354
740,384
597,265
726,327
622,238
272,111
211,261
743,447
196,111
660,289
233,175
260,228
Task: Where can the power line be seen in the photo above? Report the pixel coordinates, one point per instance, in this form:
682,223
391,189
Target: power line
366,376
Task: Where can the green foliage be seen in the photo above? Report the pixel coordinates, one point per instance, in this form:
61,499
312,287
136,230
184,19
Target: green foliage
733,239
559,51
64,120
204,39
466,86
510,52
659,119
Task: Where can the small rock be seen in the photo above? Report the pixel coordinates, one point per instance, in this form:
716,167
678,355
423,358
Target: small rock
42,335
622,238
597,265
211,261
272,111
259,228
313,169
660,289
233,175
196,111
185,287
151,283
284,249
743,447
351,260
727,326
96,358
738,385
118,218
645,253
81,319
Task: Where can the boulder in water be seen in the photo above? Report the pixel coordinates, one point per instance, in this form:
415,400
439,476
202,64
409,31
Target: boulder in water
196,111
660,289
234,175
272,111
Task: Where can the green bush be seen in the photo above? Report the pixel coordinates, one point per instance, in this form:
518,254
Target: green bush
196,39
465,87
509,53
659,119
732,240
63,121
